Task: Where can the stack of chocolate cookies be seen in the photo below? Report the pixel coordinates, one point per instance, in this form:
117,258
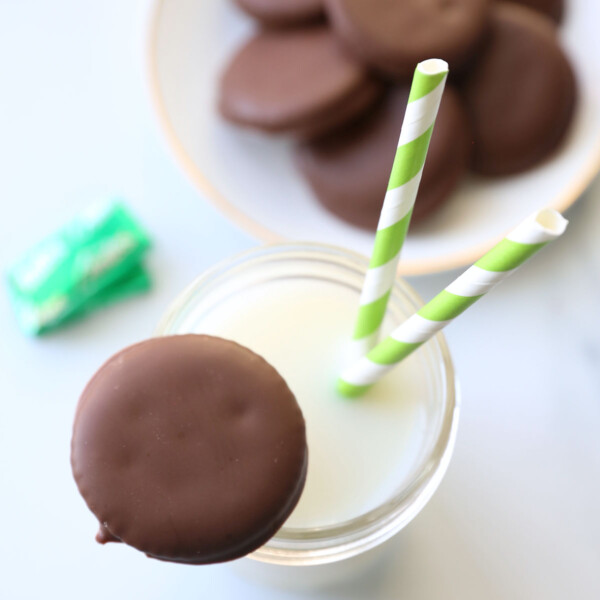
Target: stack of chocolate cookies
335,75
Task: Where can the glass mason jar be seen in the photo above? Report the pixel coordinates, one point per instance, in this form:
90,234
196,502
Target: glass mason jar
313,555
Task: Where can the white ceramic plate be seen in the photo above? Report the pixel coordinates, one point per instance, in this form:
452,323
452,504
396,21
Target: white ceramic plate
251,178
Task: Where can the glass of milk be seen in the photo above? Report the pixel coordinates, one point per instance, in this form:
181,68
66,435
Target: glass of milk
374,461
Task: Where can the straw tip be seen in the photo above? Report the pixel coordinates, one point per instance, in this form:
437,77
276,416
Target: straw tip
349,390
433,66
552,221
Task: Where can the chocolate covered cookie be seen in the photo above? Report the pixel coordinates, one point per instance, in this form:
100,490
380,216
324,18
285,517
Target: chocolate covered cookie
552,8
282,13
298,82
520,94
349,170
394,35
189,448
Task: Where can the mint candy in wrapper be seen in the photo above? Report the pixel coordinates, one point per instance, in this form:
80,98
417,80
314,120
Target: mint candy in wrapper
136,281
92,261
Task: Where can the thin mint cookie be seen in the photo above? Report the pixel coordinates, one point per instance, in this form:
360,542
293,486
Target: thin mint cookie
394,35
297,82
190,448
282,13
349,170
520,94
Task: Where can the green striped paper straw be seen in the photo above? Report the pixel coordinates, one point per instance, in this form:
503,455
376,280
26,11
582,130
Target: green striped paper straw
502,260
423,104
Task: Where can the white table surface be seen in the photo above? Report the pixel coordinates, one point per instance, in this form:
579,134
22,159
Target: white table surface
517,515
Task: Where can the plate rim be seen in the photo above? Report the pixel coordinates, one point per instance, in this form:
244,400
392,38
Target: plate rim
237,217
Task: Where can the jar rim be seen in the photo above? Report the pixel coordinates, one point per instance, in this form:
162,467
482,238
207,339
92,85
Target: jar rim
304,546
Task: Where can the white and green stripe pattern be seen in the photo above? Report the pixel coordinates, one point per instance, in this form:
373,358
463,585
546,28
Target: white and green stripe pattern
502,260
423,104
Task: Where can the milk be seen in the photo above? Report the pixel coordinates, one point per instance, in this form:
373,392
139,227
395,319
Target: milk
361,451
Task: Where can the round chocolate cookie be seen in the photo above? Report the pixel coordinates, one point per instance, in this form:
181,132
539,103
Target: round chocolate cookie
394,35
552,8
520,94
298,82
282,13
349,170
189,448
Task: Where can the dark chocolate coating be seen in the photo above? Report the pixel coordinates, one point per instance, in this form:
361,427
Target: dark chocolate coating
282,13
394,35
521,93
552,8
298,82
189,448
349,170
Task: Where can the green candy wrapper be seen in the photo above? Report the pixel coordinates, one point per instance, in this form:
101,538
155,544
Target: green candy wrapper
87,264
135,281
